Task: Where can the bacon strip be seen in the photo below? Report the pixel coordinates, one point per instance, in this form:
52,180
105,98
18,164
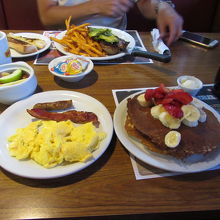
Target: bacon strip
59,105
75,116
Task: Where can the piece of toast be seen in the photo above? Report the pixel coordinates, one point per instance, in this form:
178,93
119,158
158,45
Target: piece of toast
24,45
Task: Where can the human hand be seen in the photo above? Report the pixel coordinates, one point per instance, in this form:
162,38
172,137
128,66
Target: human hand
169,23
112,8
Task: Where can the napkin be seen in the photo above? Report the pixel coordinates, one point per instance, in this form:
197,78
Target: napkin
157,42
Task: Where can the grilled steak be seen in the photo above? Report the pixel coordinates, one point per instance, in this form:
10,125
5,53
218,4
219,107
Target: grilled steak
114,48
109,42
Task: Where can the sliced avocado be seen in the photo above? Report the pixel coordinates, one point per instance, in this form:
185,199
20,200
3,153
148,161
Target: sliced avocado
103,34
12,83
110,39
107,32
14,76
94,32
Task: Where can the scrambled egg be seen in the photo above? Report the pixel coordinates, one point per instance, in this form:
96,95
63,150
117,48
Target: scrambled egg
51,143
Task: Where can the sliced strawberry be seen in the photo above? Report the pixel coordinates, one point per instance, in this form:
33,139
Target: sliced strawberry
166,101
183,97
160,90
149,94
158,101
173,110
177,90
164,89
176,103
172,100
159,95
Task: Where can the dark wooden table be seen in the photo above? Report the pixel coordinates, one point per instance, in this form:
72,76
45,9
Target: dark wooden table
108,187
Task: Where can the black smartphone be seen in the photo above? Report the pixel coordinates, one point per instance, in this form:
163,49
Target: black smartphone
198,39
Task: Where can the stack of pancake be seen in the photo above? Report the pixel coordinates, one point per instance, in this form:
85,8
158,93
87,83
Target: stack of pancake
202,139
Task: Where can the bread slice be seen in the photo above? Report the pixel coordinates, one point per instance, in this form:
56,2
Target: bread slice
25,45
21,46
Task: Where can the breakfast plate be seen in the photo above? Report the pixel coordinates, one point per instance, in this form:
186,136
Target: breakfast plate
119,33
15,54
194,163
15,117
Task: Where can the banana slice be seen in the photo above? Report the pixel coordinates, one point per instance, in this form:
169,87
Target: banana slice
142,101
203,116
157,110
169,121
191,115
172,139
200,106
190,112
190,124
197,104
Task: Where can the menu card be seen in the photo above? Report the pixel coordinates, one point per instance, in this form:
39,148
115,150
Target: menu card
143,170
50,54
45,57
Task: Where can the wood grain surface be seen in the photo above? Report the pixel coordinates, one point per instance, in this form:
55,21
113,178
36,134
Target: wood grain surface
108,187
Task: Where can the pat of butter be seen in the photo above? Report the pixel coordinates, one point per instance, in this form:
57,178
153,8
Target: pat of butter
190,84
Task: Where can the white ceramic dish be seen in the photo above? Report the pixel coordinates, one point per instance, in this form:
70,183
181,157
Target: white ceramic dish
192,81
70,78
15,92
122,34
157,160
16,117
15,54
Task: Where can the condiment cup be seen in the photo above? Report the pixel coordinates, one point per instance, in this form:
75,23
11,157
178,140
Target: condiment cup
15,91
190,84
74,77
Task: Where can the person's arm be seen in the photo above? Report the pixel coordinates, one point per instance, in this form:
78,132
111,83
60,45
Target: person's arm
169,22
52,14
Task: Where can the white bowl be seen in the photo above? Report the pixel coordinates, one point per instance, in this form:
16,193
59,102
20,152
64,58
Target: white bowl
190,84
70,78
14,92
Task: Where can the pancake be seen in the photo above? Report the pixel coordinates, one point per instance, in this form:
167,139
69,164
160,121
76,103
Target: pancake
202,139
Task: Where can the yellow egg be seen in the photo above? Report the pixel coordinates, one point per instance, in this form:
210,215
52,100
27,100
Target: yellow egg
76,151
50,143
22,143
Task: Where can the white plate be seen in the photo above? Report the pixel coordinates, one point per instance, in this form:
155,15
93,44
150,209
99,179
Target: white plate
193,164
119,33
16,117
15,54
